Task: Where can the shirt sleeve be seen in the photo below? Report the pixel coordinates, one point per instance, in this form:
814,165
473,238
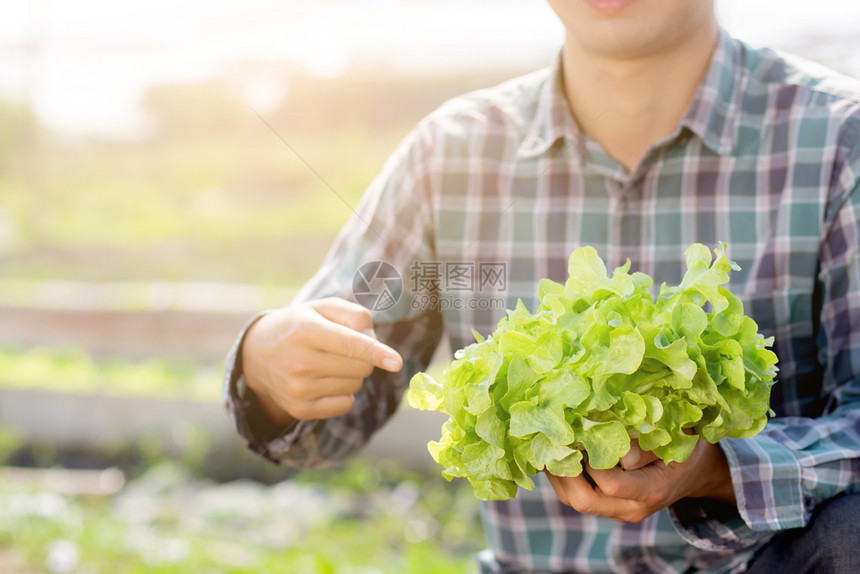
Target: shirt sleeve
795,463
393,224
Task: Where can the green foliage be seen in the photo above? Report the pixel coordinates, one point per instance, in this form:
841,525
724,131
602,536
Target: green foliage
10,441
366,517
207,190
599,362
77,370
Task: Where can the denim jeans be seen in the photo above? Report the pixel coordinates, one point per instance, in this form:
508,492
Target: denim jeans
829,544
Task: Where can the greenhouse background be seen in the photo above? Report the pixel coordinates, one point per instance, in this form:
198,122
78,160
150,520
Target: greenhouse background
147,210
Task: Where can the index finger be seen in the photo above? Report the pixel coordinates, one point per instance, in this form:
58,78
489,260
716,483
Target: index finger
636,457
335,338
576,492
639,485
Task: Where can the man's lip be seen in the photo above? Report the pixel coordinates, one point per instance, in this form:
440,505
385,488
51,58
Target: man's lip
609,5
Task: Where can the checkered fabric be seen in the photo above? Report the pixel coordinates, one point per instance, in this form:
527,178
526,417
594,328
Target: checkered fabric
766,158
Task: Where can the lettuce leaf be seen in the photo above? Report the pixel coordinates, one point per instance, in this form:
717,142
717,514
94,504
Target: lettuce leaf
598,363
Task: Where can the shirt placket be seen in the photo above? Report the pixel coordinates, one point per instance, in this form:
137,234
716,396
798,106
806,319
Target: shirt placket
623,191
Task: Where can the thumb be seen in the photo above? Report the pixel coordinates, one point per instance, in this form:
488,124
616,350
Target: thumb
636,458
346,313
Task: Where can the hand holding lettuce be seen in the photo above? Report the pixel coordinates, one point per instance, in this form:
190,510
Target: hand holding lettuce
599,362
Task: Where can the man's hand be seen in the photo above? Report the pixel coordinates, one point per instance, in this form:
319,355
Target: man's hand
306,361
642,484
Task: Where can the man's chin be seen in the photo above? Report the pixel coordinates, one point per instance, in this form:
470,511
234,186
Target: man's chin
617,42
632,29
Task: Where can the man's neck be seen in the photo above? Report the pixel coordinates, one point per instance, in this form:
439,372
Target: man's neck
626,105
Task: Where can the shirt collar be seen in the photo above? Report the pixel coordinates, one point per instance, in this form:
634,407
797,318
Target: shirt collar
711,115
714,109
552,118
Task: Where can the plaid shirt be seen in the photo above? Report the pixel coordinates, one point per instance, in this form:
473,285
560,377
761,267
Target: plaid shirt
766,158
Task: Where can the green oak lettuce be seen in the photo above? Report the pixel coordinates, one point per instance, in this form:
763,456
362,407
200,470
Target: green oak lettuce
601,362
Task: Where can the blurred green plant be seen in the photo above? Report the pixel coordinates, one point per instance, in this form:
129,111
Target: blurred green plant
209,191
10,441
213,194
76,370
165,521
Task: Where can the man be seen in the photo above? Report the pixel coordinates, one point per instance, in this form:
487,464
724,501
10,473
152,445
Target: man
653,130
